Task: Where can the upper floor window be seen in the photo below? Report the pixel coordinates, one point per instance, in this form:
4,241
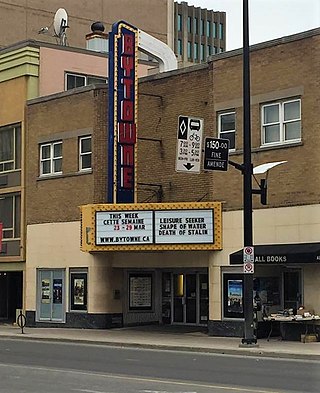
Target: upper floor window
209,49
201,27
85,153
221,31
51,158
281,122
78,80
227,128
208,28
214,30
202,52
195,26
189,49
179,47
179,22
196,51
189,24
10,215
10,148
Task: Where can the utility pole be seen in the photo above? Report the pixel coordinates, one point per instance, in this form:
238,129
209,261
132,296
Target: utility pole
249,338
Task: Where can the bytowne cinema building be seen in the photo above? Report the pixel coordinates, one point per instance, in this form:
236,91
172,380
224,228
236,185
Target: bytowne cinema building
117,237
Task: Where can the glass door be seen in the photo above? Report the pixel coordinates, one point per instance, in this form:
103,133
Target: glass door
179,299
190,298
51,295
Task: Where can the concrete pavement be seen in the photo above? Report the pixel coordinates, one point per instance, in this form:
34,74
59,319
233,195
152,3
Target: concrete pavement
163,337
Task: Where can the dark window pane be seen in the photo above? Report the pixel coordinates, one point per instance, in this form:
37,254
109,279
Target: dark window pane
6,144
6,211
85,145
86,161
17,216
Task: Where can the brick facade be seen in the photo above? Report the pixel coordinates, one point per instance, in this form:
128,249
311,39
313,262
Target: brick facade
279,69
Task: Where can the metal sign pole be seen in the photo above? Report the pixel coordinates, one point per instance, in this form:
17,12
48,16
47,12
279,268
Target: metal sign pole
249,337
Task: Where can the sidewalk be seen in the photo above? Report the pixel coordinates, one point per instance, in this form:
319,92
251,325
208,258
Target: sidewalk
159,337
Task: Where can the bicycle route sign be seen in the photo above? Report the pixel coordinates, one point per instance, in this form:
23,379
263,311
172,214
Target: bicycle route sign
189,144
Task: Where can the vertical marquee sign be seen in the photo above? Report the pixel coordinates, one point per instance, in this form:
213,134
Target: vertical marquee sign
123,88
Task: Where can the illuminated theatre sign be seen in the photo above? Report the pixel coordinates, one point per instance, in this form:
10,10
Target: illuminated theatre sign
151,226
122,81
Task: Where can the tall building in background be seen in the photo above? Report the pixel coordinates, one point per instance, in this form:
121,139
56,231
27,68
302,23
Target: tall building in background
192,32
198,33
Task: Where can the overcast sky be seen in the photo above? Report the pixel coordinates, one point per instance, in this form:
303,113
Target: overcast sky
269,19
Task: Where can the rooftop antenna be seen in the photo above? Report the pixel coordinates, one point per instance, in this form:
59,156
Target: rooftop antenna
60,24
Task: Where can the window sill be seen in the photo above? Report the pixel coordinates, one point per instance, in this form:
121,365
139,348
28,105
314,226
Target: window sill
64,175
261,148
272,146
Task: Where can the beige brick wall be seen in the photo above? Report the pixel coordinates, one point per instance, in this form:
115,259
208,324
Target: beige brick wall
281,71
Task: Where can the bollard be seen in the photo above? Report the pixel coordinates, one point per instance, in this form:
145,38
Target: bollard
21,320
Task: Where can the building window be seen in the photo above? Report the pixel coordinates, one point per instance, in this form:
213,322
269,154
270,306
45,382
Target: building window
10,215
51,158
215,49
281,122
196,51
209,48
201,27
78,290
227,128
214,30
221,31
179,22
233,295
202,52
189,24
10,148
77,80
195,26
85,153
140,291
189,49
179,47
208,28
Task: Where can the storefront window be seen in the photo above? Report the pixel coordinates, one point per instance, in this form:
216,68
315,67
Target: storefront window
233,296
268,290
78,290
140,291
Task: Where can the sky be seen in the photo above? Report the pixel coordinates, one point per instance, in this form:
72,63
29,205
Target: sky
268,19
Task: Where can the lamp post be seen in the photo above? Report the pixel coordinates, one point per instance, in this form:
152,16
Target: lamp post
249,337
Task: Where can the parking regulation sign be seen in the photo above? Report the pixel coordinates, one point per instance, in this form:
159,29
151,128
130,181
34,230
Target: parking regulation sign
248,260
189,144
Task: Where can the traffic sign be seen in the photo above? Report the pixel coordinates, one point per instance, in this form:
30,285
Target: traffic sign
216,154
189,144
248,268
248,260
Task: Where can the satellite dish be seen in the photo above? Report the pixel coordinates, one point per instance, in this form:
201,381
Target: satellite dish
60,24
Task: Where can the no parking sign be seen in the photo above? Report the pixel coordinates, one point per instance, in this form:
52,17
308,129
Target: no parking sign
248,260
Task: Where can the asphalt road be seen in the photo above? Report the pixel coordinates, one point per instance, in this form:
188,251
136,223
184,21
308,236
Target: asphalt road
46,367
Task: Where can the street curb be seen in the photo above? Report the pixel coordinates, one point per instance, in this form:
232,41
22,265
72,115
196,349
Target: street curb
162,347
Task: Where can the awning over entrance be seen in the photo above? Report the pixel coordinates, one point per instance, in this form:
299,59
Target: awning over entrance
281,253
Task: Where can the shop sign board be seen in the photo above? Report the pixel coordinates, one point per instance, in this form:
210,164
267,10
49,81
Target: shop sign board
151,226
123,227
184,226
158,227
216,154
123,113
189,144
